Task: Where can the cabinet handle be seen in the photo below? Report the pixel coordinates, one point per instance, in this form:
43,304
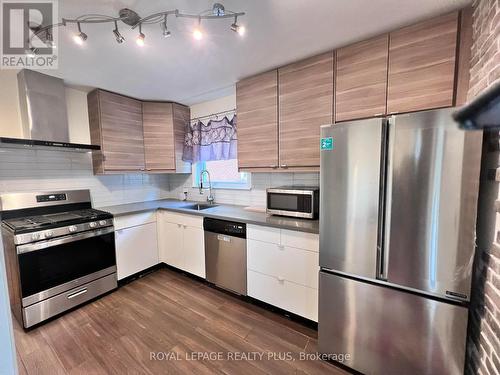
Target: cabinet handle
179,225
284,166
281,279
274,166
185,226
378,114
281,247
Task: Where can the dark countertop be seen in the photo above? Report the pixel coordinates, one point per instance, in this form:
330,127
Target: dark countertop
221,211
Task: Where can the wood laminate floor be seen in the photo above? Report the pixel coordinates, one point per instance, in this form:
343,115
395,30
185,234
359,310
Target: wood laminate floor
173,314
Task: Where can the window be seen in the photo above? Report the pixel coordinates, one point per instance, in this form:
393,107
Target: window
223,174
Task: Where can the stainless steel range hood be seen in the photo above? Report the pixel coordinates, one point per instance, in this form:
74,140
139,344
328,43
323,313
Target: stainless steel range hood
43,114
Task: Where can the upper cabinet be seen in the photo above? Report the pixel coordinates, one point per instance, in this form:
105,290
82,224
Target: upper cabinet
159,148
305,103
136,136
182,117
422,65
257,108
116,125
361,79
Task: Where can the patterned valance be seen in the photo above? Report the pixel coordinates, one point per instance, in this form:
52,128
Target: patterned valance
215,140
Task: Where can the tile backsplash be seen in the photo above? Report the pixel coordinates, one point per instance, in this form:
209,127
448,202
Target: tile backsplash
256,197
48,170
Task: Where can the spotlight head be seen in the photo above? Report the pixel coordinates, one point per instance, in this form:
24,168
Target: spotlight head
197,34
49,40
140,39
119,37
80,38
237,28
31,52
164,28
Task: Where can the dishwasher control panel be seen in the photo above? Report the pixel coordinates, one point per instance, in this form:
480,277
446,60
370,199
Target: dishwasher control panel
230,228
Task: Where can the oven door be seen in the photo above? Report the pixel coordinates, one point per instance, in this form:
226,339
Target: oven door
296,203
47,268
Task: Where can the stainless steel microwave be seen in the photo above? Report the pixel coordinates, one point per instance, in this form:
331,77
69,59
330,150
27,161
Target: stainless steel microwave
294,201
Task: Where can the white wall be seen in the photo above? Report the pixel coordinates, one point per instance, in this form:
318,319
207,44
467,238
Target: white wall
256,196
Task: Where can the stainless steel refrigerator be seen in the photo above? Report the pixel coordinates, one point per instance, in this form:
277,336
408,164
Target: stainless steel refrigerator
397,238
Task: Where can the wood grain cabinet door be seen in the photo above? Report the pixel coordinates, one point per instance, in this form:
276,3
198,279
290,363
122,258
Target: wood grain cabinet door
122,139
182,117
257,108
305,103
422,65
361,79
158,125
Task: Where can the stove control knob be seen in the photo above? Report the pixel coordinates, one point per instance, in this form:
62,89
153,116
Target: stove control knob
72,228
49,234
35,236
102,222
93,224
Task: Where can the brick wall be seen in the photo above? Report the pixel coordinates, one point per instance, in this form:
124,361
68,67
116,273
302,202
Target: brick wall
483,349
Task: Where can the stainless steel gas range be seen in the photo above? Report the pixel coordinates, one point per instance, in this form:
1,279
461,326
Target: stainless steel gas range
59,252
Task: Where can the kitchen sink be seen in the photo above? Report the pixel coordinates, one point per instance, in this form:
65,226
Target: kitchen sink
199,206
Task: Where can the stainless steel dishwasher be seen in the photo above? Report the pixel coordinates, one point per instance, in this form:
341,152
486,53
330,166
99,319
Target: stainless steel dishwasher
226,254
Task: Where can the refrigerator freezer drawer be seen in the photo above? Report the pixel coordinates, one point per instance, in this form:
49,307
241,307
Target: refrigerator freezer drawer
387,331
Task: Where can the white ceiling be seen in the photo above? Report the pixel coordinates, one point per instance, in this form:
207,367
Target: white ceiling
188,71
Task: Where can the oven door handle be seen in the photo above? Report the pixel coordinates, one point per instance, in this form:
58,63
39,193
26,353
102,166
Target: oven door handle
63,240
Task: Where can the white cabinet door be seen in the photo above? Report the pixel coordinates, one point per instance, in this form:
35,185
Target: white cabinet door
194,251
284,294
136,249
171,244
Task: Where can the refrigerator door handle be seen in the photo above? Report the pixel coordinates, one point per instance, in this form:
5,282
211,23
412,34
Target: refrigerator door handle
385,200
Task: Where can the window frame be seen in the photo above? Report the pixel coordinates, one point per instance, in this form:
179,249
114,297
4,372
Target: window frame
200,165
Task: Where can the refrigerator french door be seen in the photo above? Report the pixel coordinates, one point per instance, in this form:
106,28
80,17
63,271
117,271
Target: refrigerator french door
397,218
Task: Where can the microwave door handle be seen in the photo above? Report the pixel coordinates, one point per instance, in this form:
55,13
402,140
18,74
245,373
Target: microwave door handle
62,240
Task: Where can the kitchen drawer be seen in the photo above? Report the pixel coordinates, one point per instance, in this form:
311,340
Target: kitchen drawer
291,264
132,220
284,294
183,219
300,240
261,233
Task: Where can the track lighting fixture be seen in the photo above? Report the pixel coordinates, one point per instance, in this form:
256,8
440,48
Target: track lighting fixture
197,33
238,28
81,36
166,32
131,18
119,37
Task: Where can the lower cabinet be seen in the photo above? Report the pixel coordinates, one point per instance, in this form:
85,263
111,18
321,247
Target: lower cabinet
136,243
182,242
283,268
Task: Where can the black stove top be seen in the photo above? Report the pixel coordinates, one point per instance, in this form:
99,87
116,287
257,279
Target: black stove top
54,220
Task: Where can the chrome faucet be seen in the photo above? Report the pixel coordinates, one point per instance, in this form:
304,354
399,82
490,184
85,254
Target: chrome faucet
210,198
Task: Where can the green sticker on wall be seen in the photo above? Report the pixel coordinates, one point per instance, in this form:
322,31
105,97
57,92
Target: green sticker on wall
326,144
